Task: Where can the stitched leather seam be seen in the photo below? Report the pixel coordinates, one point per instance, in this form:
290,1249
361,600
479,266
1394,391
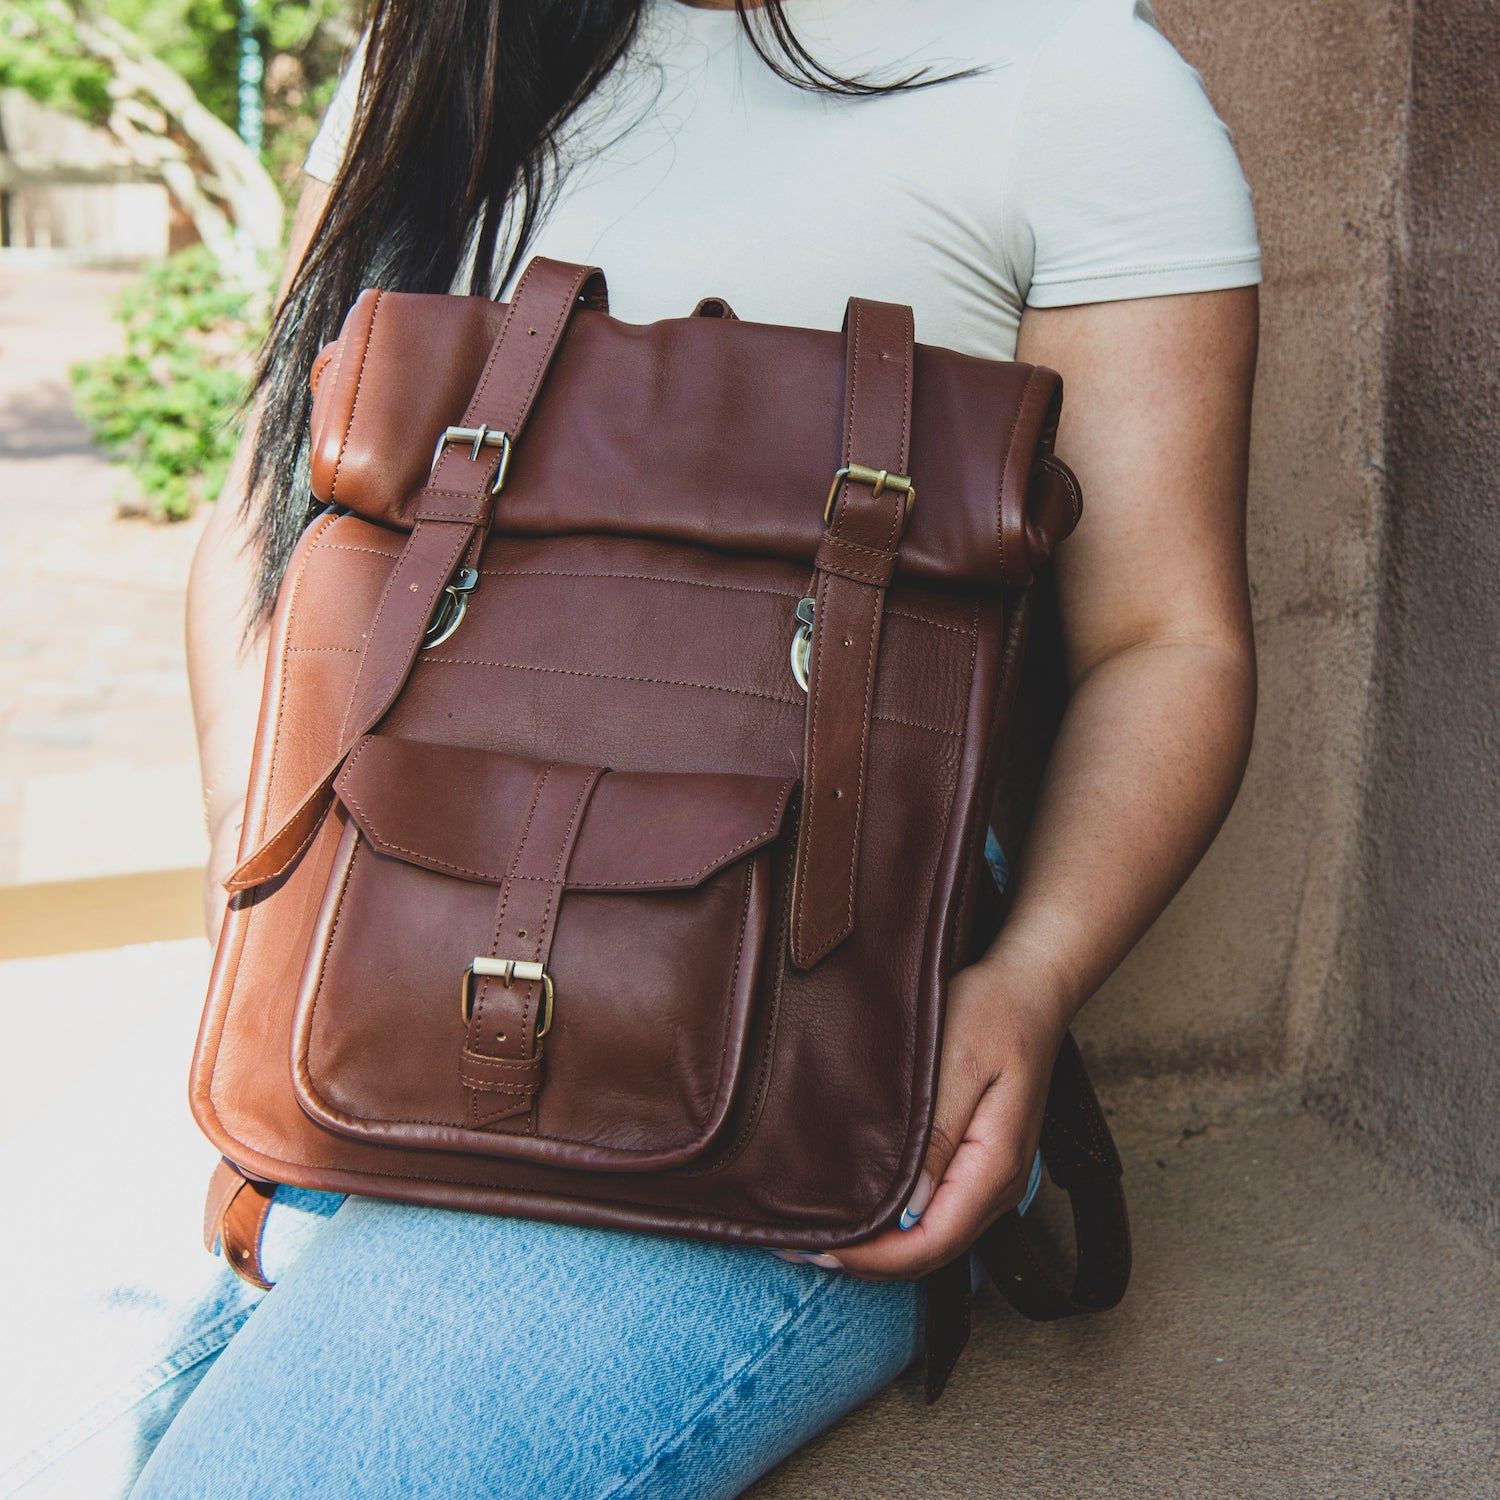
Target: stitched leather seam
314,650
296,853
484,988
333,488
333,937
491,875
885,555
968,864
696,1123
773,1017
543,937
545,353
843,570
708,687
286,677
1069,483
696,583
1010,436
814,786
350,547
385,595
564,1139
712,687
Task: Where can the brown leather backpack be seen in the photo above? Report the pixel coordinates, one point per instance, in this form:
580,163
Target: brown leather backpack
629,736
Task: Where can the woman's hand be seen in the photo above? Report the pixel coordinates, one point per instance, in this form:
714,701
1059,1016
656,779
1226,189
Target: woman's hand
1006,1020
1161,662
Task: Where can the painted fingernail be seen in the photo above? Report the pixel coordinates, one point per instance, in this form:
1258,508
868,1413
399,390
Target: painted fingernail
920,1198
828,1262
791,1257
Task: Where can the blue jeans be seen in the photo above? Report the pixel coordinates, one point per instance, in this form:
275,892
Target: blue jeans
404,1350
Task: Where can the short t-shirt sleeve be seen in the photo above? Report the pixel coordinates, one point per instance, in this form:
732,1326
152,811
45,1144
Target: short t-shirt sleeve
1124,182
326,153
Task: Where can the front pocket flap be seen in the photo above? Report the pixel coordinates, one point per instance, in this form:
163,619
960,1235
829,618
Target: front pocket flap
459,811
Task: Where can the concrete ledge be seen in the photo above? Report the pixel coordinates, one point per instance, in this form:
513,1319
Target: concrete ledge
109,911
1299,1328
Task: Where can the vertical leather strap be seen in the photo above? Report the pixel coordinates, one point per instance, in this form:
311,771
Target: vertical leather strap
452,518
234,1218
1081,1158
501,1067
855,561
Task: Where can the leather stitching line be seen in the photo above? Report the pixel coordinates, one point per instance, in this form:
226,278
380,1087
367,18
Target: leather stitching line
333,488
1010,436
484,989
697,583
286,677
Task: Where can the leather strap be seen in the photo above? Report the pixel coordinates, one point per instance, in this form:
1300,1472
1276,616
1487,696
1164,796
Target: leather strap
501,1065
1081,1158
234,1217
855,561
452,518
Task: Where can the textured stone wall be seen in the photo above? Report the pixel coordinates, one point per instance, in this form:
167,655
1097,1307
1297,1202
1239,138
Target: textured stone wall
1409,1045
1235,973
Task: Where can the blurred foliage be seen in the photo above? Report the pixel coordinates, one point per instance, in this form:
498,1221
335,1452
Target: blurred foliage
31,59
304,44
165,405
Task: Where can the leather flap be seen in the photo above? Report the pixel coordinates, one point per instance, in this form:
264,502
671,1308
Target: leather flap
710,431
461,811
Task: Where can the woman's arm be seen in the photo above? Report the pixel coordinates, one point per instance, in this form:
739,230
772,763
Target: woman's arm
1156,629
225,667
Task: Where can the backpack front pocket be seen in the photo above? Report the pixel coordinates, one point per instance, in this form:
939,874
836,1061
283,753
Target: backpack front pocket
534,959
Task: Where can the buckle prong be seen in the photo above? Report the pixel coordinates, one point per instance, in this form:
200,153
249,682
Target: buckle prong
480,437
879,480
509,970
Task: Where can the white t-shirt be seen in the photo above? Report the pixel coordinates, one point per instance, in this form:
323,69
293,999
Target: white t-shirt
1083,162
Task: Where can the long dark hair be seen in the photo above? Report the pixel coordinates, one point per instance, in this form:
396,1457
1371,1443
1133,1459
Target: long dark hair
442,148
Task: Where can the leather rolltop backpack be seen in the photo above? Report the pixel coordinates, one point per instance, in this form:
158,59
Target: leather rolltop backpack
632,719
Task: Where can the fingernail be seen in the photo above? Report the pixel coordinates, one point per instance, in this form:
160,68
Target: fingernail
791,1257
920,1198
828,1262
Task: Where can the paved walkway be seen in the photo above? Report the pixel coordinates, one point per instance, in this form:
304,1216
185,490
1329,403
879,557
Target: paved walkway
97,771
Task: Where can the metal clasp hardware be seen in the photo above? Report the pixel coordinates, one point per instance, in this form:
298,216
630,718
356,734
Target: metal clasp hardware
480,437
508,969
449,614
879,480
802,641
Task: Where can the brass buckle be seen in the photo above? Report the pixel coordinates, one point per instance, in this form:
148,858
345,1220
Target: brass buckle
879,480
480,437
508,969
449,614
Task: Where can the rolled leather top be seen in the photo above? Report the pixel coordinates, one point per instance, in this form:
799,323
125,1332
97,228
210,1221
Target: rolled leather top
718,433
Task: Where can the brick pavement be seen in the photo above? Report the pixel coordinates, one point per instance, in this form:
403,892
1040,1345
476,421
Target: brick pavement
97,772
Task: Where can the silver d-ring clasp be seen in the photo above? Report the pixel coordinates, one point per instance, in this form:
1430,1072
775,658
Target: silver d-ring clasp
449,614
802,641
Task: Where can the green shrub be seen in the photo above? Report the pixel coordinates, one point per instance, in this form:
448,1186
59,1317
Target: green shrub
165,406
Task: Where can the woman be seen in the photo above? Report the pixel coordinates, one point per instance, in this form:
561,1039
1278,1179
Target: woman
1041,179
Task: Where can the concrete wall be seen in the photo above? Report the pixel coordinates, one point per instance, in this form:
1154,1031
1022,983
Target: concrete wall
1345,930
1409,1047
1314,92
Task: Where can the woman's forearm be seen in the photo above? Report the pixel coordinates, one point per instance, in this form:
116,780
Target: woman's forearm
226,663
1147,762
226,650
